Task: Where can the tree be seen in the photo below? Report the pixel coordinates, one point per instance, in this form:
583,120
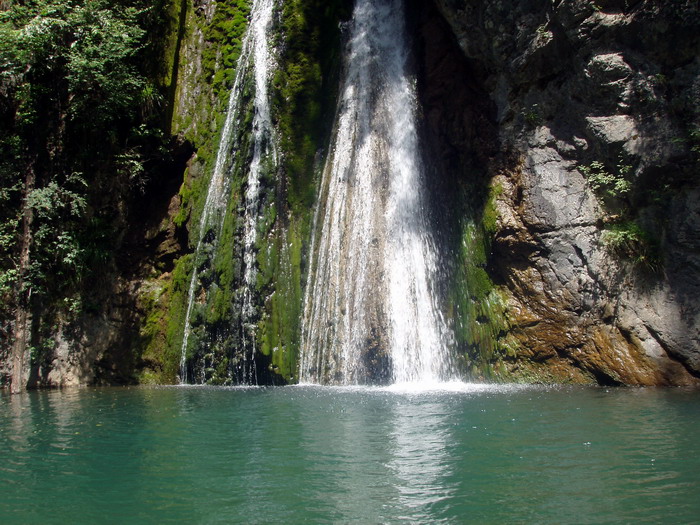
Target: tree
70,95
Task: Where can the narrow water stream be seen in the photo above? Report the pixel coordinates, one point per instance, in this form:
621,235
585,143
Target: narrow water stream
255,62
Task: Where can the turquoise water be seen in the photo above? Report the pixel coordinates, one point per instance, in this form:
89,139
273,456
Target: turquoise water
331,455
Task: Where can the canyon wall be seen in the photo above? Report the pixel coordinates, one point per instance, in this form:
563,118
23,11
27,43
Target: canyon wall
590,139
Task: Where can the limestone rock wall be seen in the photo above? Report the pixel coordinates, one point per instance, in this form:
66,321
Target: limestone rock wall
572,83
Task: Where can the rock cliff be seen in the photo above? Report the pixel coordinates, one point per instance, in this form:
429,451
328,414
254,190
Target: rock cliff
589,132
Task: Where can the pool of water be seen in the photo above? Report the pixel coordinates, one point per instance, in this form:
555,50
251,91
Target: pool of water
465,453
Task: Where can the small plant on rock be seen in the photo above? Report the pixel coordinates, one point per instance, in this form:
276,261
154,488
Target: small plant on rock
608,183
630,241
532,116
694,140
624,236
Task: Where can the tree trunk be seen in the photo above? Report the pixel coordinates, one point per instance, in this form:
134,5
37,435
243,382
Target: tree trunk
23,314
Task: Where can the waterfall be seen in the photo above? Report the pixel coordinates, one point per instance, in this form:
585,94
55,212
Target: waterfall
370,300
263,150
255,60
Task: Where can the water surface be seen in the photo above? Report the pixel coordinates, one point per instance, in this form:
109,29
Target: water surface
474,454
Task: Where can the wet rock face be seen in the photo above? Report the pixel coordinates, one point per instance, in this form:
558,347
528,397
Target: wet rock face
573,82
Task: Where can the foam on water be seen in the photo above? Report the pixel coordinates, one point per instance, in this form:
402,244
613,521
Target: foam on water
415,388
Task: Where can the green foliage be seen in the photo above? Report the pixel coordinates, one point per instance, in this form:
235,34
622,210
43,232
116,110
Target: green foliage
632,242
608,183
67,70
100,76
8,278
692,140
533,116
10,218
79,54
54,199
625,237
78,133
694,135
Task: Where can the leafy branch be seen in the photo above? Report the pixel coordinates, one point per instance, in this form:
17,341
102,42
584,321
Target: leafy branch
608,183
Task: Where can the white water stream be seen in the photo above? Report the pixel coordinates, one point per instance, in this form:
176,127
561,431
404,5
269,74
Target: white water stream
370,296
256,60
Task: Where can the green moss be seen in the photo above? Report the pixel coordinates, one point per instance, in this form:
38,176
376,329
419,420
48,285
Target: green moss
532,372
280,277
226,31
479,307
304,98
185,194
164,302
172,13
199,119
490,212
305,89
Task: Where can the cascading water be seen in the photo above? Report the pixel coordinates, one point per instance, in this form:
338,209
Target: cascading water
255,60
370,301
264,150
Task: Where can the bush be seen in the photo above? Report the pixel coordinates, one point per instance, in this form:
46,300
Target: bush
630,241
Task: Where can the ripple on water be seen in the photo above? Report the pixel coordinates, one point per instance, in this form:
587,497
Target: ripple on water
458,452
